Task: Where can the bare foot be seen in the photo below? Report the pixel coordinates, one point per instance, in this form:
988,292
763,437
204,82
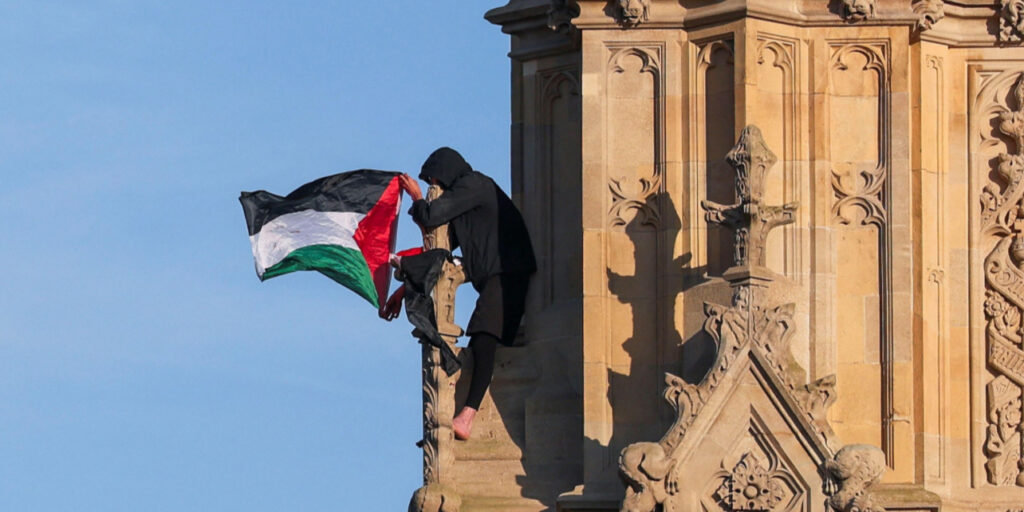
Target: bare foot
463,423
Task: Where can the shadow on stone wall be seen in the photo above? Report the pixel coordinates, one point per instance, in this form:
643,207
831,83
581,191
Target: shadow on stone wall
542,412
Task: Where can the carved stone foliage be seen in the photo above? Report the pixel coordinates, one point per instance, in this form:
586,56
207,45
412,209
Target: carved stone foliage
862,190
1011,21
636,199
751,332
858,10
1003,435
850,476
1002,204
633,12
929,13
637,195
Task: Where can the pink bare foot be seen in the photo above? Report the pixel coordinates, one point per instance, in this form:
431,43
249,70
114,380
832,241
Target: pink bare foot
463,423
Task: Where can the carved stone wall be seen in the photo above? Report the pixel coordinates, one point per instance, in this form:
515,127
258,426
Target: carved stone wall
999,117
895,126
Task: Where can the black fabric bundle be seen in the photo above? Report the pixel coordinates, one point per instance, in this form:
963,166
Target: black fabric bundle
420,273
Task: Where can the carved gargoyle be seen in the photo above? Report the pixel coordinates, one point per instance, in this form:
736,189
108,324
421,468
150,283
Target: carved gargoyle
1011,21
644,467
850,475
634,12
858,10
929,12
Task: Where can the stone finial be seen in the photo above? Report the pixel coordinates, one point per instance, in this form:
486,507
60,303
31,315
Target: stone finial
749,219
850,476
858,10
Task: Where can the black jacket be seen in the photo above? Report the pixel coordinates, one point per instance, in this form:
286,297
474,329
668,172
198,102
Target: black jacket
483,220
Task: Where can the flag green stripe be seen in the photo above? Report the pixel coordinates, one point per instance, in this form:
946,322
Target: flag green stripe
344,265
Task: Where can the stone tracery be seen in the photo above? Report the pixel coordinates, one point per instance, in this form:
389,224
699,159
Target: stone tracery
750,331
1002,205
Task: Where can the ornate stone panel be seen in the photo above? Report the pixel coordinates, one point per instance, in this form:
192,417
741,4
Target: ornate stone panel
558,162
998,131
712,135
860,153
633,125
635,112
777,107
753,415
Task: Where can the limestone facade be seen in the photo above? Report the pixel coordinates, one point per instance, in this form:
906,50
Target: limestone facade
898,127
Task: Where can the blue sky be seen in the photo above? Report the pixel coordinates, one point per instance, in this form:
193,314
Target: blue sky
143,366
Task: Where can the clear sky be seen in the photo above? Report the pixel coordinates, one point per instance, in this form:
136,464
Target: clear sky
143,366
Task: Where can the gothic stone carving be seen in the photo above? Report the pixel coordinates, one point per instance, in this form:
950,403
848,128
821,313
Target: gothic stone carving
651,471
1011,21
633,12
749,220
640,201
1002,206
560,16
751,487
858,10
1003,436
929,13
637,195
863,190
850,476
437,495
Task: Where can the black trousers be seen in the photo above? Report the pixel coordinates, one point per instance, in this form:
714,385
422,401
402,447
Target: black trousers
483,347
496,318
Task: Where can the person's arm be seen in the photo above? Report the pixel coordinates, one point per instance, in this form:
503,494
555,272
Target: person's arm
393,306
451,204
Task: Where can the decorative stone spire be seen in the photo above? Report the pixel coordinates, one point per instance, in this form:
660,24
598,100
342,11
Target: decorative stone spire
749,219
752,337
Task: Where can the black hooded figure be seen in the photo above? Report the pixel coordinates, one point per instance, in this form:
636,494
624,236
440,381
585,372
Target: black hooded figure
496,253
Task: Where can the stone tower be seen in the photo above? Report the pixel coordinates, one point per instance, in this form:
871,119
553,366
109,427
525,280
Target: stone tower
876,329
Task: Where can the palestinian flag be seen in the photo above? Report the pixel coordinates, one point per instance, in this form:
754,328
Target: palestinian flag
343,226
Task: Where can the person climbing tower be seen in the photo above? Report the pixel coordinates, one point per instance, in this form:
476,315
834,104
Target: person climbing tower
496,254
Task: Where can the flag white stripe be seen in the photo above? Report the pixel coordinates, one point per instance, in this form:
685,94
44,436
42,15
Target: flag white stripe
292,231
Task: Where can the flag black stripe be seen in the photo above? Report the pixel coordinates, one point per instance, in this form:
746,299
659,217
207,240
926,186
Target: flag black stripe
353,191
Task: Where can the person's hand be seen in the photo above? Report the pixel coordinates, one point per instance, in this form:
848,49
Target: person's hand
393,306
411,186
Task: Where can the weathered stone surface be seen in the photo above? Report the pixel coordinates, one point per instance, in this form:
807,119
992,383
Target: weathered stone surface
884,311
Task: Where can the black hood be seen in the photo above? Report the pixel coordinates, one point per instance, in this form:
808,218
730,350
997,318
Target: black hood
444,165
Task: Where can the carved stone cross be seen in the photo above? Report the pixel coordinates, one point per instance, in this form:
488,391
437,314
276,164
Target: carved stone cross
749,219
